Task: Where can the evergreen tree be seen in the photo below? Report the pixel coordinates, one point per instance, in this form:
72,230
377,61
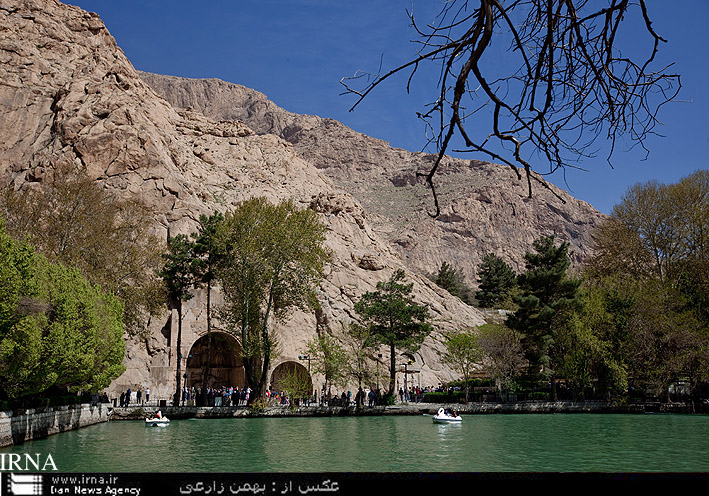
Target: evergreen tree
497,279
452,281
179,274
548,295
394,319
207,258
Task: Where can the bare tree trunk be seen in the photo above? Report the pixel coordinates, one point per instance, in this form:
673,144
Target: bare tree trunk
208,365
392,370
261,388
178,374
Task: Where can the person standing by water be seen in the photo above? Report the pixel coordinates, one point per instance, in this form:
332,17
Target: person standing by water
138,395
147,395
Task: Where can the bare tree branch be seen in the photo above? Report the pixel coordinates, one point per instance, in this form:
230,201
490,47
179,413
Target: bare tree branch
567,85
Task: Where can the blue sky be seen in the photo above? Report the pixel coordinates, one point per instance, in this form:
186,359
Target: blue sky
296,52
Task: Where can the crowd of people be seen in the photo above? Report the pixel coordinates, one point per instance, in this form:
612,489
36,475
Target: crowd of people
415,394
127,397
239,396
220,396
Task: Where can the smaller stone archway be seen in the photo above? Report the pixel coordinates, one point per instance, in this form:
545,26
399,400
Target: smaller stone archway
291,375
227,367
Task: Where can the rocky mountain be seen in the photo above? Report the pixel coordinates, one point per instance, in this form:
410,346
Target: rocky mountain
484,208
69,98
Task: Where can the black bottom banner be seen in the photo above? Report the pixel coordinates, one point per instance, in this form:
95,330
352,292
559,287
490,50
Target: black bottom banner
198,484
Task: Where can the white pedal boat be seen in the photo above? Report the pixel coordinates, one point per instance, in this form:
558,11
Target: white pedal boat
157,420
444,418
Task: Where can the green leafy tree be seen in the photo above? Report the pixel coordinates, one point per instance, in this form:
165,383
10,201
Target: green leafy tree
548,296
295,383
650,262
394,319
23,317
180,275
503,352
619,253
273,258
464,354
329,358
360,345
73,221
667,340
58,332
594,347
670,222
496,281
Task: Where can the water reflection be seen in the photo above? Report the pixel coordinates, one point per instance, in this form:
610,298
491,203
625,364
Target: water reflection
520,443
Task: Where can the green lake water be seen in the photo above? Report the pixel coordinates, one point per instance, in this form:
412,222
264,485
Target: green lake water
481,443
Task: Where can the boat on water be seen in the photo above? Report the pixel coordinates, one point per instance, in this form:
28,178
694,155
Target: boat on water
444,417
158,419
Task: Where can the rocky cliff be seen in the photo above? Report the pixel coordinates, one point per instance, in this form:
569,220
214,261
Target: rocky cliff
484,207
69,98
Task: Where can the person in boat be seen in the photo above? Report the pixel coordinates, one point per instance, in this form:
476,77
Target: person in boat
158,415
455,413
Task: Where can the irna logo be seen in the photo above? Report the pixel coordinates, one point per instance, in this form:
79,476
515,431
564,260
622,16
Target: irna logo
15,462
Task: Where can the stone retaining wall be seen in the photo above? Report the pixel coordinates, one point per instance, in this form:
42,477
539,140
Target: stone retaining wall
19,426
182,412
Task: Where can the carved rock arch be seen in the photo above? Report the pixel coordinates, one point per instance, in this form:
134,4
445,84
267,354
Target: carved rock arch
227,367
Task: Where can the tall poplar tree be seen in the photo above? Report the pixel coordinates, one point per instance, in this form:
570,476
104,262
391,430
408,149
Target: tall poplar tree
273,259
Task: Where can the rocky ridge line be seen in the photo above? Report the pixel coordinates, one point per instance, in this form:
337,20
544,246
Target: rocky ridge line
484,207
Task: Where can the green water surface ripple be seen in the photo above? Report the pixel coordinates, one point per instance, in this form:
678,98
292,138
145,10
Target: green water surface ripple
485,443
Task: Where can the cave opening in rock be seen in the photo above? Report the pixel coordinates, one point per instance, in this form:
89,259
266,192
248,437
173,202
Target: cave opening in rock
226,367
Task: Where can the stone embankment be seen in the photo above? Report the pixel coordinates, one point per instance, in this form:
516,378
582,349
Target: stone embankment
183,412
19,426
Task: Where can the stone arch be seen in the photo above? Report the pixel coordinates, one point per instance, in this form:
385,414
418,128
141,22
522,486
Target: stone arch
288,368
227,367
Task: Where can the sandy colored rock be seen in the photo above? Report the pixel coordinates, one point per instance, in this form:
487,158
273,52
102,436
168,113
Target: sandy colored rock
484,207
70,98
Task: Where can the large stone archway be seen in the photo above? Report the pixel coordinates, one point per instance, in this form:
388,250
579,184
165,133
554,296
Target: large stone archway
286,372
227,368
